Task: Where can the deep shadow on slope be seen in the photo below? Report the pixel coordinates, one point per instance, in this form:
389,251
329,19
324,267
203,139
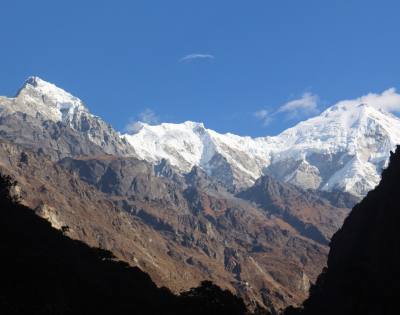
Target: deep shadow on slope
363,274
45,272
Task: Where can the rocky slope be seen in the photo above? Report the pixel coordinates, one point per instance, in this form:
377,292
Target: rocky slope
313,216
180,231
363,266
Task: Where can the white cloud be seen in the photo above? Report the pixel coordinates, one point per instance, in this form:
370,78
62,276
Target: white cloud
388,100
192,57
263,115
148,116
306,105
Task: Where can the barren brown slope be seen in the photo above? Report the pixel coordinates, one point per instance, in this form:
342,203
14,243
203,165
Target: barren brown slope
313,216
179,241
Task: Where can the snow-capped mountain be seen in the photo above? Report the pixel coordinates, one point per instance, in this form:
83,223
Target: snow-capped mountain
233,160
344,148
40,97
43,115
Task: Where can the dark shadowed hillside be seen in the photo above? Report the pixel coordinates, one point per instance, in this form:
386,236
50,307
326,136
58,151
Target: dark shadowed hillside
45,272
363,274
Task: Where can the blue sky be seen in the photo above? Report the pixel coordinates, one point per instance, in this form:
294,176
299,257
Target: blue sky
238,66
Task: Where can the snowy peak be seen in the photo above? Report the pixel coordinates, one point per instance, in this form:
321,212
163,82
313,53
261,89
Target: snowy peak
344,148
347,146
37,82
48,100
47,89
33,81
235,161
49,105
340,127
181,144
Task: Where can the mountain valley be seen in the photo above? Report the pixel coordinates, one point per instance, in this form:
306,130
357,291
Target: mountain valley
186,204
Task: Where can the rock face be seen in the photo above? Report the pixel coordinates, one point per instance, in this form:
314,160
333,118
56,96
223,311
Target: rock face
363,266
313,216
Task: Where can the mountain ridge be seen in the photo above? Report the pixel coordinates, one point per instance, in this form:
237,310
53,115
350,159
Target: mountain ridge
344,148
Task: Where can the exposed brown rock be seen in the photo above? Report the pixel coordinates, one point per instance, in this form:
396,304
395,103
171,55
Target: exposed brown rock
179,230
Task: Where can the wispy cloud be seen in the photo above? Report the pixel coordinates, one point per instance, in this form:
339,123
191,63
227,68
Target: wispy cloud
192,57
147,116
264,116
306,105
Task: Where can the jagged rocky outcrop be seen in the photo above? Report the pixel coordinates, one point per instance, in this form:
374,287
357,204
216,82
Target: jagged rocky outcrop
363,275
125,177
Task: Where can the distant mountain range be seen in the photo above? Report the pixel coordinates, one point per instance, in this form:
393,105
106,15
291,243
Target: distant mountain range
344,148
185,203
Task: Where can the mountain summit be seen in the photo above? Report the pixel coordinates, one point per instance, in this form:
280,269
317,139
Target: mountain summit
39,96
46,117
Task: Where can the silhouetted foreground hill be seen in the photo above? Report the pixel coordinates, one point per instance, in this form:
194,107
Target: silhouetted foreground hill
363,274
44,272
